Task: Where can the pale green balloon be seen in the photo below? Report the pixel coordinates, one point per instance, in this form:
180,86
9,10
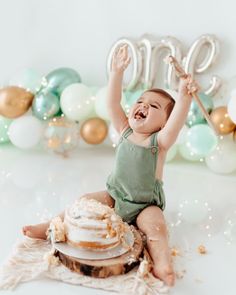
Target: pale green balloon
171,153
28,79
195,115
45,105
59,79
201,139
101,103
4,125
186,153
132,97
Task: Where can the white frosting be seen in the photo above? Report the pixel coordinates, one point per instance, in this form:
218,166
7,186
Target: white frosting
91,221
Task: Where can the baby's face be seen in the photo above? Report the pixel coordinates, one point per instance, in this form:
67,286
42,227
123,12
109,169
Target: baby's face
148,114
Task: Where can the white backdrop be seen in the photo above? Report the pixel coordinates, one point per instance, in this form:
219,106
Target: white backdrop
47,34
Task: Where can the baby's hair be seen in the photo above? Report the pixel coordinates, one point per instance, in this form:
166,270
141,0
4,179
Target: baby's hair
165,94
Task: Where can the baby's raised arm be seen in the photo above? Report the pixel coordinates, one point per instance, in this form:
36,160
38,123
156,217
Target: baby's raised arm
120,62
168,135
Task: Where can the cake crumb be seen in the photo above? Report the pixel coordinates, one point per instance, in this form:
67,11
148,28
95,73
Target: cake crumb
202,249
175,252
180,274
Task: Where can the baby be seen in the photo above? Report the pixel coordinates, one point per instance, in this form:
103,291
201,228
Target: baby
135,187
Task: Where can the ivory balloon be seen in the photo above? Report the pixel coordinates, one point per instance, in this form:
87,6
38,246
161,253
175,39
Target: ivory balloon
223,158
94,130
77,102
221,120
25,132
232,109
14,101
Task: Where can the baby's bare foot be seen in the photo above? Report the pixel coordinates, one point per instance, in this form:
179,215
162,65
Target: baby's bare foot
163,268
37,231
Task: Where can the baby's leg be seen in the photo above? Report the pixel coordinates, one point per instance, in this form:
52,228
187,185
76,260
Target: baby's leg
151,222
39,231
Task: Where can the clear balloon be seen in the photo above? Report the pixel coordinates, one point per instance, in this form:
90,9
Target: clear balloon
25,132
28,79
61,136
77,102
201,139
230,226
59,79
223,158
45,105
195,115
4,125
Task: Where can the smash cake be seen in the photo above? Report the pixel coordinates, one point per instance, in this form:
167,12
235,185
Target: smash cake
89,224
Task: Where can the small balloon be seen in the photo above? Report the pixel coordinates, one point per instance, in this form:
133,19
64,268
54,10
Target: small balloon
201,139
195,115
221,120
14,101
25,132
45,105
94,130
223,158
77,102
61,136
59,79
4,125
28,79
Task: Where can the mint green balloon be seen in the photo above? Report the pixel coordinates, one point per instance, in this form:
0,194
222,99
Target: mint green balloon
171,153
59,79
201,139
4,125
186,153
45,105
195,115
133,96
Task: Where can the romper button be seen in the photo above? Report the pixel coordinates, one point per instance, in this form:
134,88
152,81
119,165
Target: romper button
153,149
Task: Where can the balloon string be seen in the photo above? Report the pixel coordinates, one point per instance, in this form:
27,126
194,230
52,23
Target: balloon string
181,73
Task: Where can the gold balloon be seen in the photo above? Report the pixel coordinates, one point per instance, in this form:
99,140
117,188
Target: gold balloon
14,101
94,130
221,120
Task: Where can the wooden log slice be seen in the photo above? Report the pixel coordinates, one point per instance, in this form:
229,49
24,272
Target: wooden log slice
106,267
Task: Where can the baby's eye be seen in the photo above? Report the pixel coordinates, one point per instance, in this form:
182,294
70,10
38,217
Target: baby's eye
139,102
154,106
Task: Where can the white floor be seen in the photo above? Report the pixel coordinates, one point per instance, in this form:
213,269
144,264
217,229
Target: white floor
35,185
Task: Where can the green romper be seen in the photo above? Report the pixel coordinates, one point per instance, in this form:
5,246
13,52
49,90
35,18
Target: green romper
132,184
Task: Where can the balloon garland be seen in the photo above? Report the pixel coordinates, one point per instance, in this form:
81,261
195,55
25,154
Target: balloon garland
58,109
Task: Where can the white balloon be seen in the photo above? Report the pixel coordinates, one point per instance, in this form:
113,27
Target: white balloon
101,103
113,135
223,158
25,132
232,109
171,153
77,102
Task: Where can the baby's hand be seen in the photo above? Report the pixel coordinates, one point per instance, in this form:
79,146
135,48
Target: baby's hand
187,86
120,59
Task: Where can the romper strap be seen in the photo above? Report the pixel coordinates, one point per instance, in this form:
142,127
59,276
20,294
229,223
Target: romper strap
154,139
127,132
153,144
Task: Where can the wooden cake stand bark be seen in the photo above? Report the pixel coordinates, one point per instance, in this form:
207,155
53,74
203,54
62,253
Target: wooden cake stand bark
106,267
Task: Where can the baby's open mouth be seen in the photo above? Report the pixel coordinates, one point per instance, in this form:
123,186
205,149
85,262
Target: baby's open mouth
140,114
